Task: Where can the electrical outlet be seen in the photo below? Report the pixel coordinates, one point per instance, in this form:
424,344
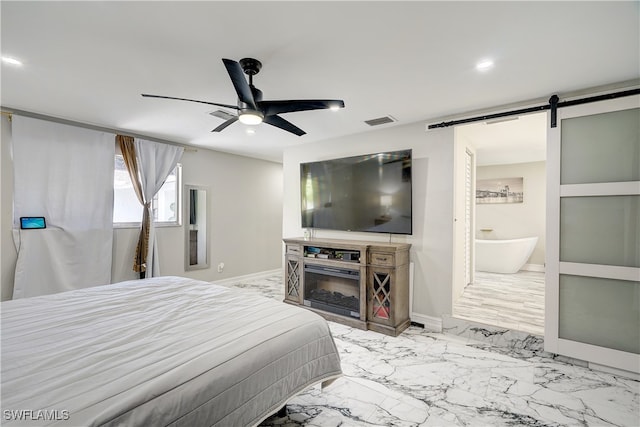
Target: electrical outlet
220,267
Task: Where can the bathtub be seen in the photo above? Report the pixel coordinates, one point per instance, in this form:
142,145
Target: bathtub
503,256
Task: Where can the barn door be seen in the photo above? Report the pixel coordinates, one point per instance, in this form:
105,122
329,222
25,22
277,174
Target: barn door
593,234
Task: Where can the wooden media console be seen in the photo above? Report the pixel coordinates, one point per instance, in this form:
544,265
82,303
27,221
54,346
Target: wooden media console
357,283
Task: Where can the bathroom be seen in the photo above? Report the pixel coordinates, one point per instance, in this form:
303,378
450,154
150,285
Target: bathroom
506,211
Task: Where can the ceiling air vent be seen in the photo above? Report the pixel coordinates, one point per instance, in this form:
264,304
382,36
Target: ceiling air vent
222,114
380,121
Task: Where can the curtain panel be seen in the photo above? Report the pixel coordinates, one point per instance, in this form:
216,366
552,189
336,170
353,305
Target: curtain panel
64,173
149,164
128,150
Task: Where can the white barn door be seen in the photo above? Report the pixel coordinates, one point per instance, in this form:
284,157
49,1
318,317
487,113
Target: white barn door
593,234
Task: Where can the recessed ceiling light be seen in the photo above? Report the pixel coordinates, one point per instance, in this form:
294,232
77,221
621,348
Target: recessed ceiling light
484,65
251,131
9,60
334,108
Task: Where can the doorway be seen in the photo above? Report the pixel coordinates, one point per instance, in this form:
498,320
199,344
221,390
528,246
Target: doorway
508,156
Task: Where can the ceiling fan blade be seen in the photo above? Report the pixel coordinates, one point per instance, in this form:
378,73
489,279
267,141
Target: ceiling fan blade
277,107
240,83
235,107
225,124
283,124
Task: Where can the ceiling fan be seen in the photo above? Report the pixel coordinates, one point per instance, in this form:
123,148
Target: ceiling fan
252,110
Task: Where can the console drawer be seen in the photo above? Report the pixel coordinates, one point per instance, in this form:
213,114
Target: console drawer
294,250
384,259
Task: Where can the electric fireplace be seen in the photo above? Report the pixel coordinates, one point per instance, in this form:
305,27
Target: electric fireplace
361,284
332,289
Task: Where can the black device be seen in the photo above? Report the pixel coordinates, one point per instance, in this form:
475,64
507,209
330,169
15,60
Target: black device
32,222
370,193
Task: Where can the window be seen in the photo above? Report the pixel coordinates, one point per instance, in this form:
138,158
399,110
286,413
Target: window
127,210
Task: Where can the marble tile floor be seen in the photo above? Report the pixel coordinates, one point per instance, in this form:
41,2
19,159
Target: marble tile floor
422,378
514,301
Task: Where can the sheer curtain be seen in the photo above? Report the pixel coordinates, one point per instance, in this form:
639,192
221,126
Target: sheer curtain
149,163
64,173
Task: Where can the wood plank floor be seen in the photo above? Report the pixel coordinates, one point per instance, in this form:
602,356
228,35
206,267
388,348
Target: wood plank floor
514,301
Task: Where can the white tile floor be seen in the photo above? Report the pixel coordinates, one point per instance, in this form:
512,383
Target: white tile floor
431,379
514,301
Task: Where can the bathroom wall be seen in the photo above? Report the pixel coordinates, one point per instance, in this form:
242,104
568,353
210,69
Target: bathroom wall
514,220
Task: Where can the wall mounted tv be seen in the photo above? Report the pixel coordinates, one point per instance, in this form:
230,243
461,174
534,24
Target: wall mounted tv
370,193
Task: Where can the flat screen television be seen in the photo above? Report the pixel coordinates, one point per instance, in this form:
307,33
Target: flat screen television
370,193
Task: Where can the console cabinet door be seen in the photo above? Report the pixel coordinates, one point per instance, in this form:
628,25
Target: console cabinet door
381,294
293,277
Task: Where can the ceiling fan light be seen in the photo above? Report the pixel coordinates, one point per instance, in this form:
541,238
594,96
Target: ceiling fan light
251,118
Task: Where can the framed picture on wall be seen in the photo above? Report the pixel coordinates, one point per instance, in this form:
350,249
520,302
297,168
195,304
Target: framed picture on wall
499,190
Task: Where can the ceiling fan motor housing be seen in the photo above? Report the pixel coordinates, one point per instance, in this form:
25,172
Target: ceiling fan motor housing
245,108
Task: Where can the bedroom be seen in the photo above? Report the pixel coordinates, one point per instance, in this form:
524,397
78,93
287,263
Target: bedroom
240,237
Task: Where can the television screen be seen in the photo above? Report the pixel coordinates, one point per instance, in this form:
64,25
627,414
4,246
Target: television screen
369,193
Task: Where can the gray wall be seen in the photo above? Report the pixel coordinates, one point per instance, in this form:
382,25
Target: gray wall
245,213
255,203
432,239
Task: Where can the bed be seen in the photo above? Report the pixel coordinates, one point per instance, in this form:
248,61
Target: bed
157,352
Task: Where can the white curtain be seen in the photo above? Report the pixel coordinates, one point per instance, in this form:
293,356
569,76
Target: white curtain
64,173
155,163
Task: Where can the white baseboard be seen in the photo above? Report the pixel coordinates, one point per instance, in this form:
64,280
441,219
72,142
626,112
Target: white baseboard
533,267
252,276
615,371
430,323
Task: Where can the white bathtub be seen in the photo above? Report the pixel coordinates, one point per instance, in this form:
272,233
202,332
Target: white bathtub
504,256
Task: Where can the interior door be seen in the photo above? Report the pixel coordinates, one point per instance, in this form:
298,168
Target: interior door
593,234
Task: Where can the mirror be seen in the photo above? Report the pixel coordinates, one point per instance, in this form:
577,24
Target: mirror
196,228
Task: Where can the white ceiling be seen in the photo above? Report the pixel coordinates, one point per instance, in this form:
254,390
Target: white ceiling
90,61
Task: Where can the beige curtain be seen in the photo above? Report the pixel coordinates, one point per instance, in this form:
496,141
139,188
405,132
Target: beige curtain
127,147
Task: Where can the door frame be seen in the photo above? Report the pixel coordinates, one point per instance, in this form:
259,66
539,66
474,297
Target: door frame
461,151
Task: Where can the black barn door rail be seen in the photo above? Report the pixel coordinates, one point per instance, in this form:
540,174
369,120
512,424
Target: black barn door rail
553,105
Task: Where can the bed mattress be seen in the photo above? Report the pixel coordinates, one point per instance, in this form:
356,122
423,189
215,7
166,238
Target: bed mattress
157,352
